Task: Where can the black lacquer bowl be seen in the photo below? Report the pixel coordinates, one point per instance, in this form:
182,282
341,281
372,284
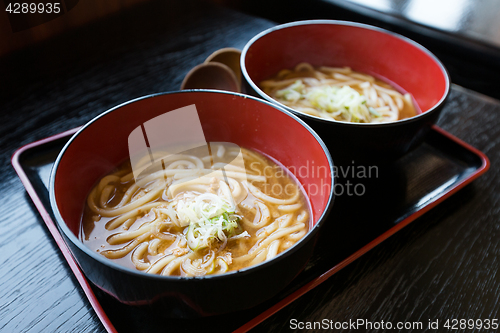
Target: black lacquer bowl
102,144
383,54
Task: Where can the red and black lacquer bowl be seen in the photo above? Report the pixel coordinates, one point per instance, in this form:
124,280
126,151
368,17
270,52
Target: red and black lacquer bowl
383,54
102,144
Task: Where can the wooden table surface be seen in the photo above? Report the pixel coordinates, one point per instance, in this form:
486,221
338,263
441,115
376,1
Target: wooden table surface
442,266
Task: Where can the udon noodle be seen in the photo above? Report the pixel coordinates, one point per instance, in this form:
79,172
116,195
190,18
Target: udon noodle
339,94
188,220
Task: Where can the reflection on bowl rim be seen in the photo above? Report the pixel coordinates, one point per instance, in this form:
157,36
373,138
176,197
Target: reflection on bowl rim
352,24
63,227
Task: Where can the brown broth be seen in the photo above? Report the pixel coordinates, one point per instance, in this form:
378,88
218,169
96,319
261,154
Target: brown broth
95,235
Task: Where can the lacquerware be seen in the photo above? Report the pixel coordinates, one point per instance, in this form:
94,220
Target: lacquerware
372,50
440,167
102,144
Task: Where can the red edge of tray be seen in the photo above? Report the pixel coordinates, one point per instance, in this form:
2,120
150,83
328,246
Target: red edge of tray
55,232
276,307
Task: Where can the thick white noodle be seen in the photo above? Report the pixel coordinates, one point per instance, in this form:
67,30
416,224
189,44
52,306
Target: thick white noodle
377,95
140,223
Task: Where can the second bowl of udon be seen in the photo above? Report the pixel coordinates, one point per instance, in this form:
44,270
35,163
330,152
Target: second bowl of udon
371,94
194,200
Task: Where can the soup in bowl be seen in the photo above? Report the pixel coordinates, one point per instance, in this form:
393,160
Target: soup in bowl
371,94
194,200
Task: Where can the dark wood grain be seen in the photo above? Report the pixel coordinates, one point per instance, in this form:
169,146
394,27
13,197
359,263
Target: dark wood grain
444,265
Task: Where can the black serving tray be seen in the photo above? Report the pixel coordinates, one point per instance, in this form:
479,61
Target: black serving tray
393,195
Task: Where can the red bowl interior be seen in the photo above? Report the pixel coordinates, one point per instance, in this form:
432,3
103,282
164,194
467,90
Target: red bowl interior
250,123
398,60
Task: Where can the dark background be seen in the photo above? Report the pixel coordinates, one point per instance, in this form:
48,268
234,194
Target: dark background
60,74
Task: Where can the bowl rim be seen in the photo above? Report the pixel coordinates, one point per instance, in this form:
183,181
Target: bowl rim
262,94
247,270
